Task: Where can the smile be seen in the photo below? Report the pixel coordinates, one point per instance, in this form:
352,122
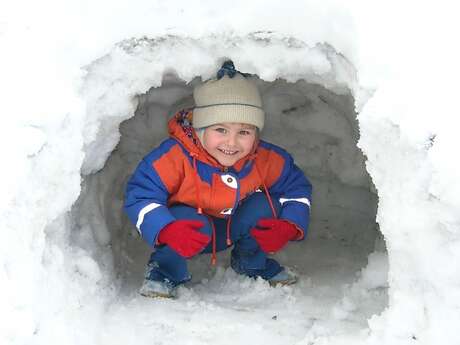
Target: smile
228,152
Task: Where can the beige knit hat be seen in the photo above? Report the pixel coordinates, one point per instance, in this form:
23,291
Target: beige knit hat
235,99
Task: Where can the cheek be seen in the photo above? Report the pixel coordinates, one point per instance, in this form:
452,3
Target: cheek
248,144
210,141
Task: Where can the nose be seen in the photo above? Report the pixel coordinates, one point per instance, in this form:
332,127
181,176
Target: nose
231,140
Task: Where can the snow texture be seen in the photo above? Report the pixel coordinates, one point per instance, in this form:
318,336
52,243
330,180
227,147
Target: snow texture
364,96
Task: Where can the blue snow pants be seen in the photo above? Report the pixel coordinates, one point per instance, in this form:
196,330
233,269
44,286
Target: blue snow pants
246,258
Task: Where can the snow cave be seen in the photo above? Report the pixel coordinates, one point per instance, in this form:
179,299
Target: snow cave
367,109
312,115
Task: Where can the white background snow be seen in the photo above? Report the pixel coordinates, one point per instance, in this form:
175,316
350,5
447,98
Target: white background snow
71,72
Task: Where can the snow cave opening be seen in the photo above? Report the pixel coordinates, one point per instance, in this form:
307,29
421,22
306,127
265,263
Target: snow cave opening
317,126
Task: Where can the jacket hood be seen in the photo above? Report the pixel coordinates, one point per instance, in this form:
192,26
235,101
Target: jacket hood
180,128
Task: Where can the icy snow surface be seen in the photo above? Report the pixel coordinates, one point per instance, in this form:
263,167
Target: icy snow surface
78,112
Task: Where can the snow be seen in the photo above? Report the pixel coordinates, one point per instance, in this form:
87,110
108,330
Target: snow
86,89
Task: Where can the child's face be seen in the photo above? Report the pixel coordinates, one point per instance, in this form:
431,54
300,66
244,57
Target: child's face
229,142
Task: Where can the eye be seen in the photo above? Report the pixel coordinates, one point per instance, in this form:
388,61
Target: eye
221,130
245,132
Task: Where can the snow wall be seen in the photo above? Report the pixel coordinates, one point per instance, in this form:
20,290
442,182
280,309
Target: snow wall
61,282
316,125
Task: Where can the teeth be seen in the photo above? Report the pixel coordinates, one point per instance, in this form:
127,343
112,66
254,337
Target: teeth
227,152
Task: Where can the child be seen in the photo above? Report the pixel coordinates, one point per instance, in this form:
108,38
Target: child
213,185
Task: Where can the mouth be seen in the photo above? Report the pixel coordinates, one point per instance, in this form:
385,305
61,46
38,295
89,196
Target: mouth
228,152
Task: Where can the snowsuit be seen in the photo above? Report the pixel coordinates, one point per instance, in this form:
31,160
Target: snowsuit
180,180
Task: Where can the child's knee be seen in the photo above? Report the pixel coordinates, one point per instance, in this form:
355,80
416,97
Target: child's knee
257,206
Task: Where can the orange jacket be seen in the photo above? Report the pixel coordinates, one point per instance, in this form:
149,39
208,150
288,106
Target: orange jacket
181,171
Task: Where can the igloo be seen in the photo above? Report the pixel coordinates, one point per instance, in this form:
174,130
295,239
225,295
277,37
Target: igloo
380,262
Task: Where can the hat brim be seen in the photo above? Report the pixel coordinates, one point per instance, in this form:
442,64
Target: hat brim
211,115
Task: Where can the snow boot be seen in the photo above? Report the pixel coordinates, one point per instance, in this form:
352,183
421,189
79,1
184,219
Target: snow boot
155,285
154,288
283,278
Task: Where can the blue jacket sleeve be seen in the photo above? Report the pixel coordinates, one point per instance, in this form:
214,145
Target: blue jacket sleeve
146,202
294,191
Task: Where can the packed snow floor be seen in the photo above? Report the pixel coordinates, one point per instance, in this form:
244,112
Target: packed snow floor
226,308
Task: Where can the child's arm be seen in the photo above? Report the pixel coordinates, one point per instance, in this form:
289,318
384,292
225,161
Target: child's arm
294,191
146,202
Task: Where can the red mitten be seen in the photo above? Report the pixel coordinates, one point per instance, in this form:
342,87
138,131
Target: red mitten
273,234
183,237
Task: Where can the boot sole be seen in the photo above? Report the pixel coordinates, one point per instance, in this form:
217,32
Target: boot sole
283,282
156,295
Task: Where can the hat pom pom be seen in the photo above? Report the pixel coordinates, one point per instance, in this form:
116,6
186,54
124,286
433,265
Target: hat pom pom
228,68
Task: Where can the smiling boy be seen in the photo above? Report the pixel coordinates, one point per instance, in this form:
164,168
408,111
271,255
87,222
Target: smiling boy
214,185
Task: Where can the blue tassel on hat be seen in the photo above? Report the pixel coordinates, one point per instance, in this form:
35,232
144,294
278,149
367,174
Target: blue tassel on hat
228,68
